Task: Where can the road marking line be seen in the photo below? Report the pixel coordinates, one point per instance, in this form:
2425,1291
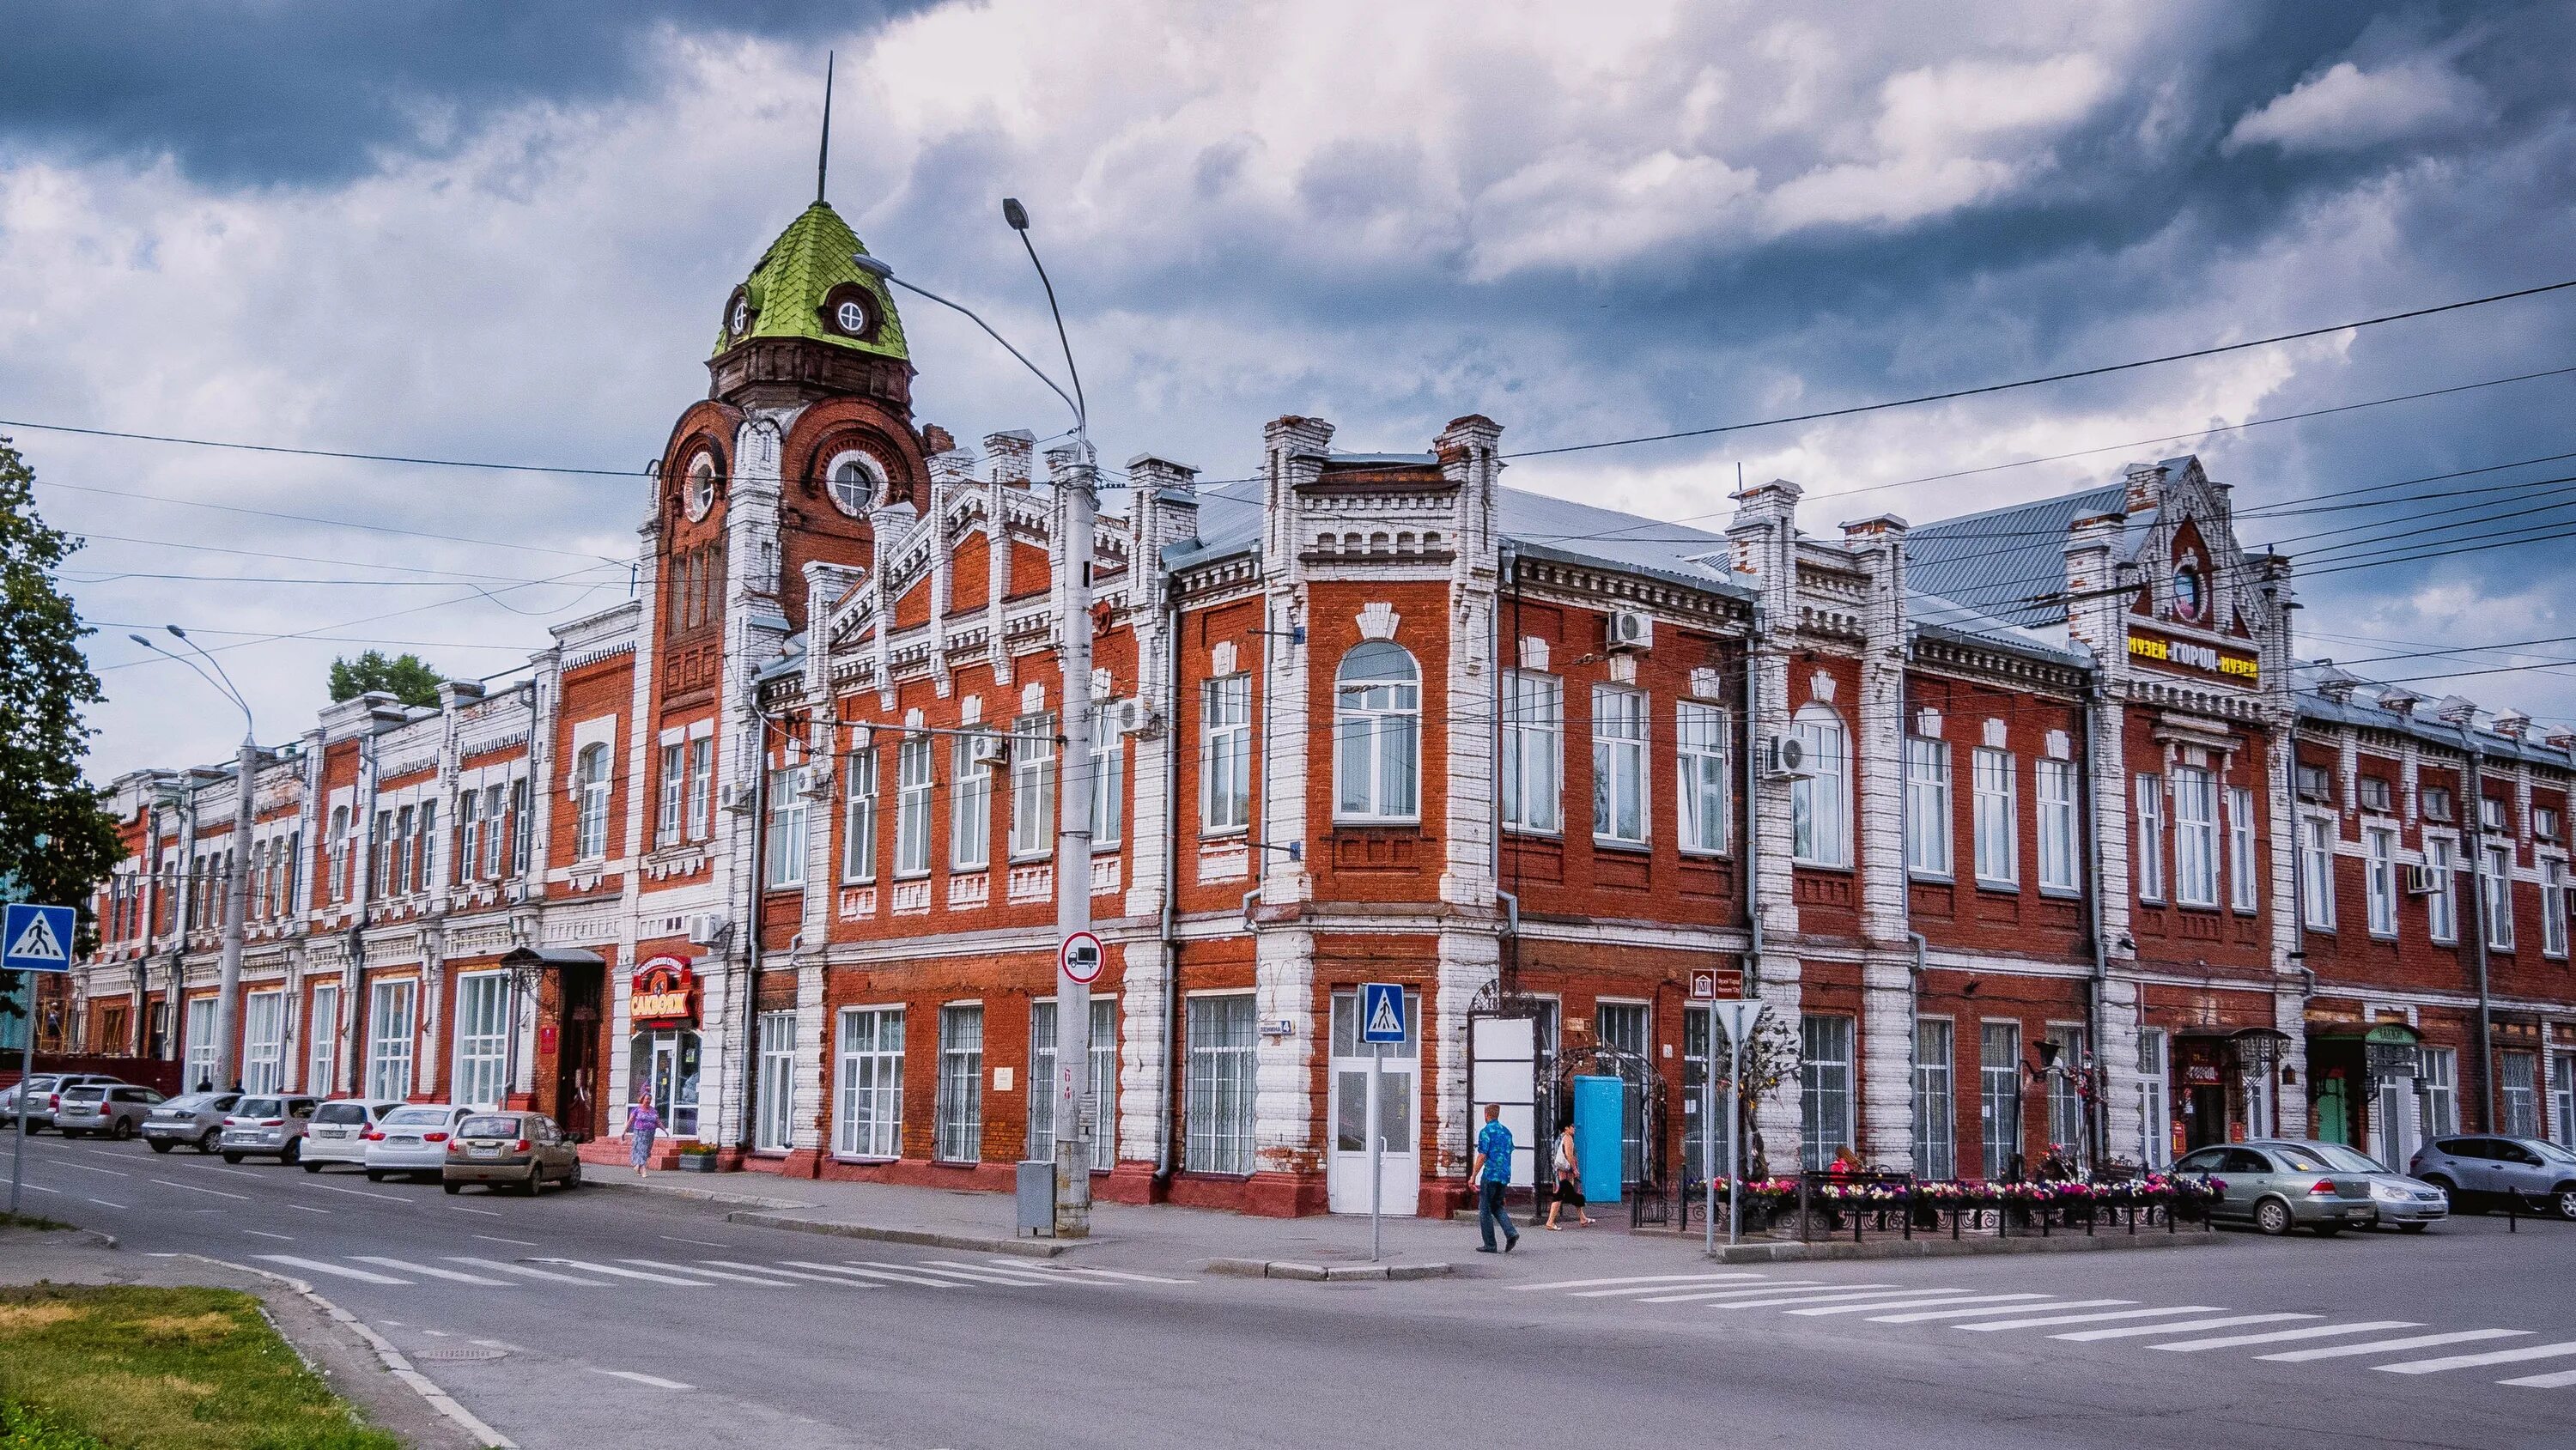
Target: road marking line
103,1203
1635,1279
701,1243
2141,1331
90,1168
2384,1346
307,1208
2283,1336
523,1271
2023,1299
1658,1288
656,1381
435,1333
794,1274
411,1268
922,1280
1827,1297
2557,1380
588,1267
499,1344
1930,1314
496,1238
2472,1361
40,1188
193,1188
1813,1286
263,1233
483,1212
2046,1320
236,1172
720,1274
320,1266
358,1192
971,1276
1114,1274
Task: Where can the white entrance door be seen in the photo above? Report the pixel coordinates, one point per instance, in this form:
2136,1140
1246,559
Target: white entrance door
2398,1133
1346,1174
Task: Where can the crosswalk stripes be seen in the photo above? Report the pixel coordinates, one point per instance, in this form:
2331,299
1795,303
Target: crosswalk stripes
1925,1316
726,1276
1771,1301
406,1266
2282,1336
2141,1331
646,1275
1833,1309
1113,1275
872,1271
2556,1379
627,1272
1625,1290
2391,1346
1629,1279
1741,1292
526,1271
2043,1320
324,1266
2515,1355
799,1275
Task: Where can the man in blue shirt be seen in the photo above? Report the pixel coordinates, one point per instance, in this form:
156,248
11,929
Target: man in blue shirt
1492,1173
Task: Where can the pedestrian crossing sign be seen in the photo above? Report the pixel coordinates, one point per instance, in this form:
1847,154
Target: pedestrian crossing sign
36,938
1381,1012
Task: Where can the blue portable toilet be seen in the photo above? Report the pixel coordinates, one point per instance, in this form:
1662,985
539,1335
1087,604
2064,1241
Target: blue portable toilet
1600,1104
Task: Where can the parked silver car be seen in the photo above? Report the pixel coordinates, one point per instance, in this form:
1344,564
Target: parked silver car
412,1139
2478,1170
190,1120
2282,1186
340,1129
270,1126
2407,1204
44,1093
115,1109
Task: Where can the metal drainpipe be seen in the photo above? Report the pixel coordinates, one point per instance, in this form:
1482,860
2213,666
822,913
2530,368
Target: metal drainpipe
2090,819
1164,1117
2473,827
1508,566
1752,854
751,934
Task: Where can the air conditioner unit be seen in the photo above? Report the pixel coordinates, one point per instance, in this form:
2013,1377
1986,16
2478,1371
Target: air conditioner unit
1131,717
1629,629
2423,881
1787,759
706,928
732,797
988,750
818,780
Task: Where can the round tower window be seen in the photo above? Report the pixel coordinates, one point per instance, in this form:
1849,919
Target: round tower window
854,480
741,321
851,318
700,494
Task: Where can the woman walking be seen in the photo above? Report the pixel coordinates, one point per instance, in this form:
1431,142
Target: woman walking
1569,1182
643,1125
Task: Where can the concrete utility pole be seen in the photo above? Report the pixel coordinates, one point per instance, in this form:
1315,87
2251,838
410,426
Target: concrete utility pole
236,875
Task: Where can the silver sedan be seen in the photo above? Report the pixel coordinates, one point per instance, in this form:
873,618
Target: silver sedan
2408,1204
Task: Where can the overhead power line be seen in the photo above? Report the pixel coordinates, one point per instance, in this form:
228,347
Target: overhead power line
320,452
327,522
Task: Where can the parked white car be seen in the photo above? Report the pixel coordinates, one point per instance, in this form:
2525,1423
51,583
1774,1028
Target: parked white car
338,1132
412,1138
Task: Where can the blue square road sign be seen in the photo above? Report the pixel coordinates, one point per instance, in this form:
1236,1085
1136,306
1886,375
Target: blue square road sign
36,938
1381,1012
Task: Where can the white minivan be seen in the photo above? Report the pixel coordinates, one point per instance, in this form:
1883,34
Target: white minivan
412,1138
338,1132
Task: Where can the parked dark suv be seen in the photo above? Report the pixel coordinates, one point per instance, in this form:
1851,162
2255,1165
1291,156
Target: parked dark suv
2481,1169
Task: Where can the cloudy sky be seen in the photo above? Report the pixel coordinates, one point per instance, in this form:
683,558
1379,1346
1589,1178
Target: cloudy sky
457,231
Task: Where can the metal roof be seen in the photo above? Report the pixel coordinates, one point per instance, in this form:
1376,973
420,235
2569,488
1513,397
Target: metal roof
1994,561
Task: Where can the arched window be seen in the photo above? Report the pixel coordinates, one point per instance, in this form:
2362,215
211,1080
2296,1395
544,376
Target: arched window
1377,735
854,480
1820,804
590,803
699,495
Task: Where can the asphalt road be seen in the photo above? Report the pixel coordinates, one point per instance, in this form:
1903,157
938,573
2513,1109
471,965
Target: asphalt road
608,1317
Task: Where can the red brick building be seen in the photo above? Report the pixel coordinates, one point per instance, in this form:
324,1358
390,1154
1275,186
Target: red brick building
2025,823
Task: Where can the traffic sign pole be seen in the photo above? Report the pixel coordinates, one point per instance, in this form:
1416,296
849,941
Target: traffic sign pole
1377,1147
33,940
1381,1022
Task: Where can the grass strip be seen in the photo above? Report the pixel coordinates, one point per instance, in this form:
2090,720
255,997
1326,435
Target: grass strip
160,1369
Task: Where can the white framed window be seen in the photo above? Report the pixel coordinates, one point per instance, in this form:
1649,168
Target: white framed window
1824,1089
702,784
322,1041
2060,866
590,803
200,1030
970,806
391,1023
1999,1098
2442,904
427,837
406,839
2195,809
912,768
2243,892
1699,744
671,813
2518,1093
1033,787
775,1128
1108,777
1820,801
469,833
1928,827
2151,838
495,839
960,1117
1936,1138
1533,752
2437,1086
264,1042
2553,906
2562,1094
1618,764
859,820
1992,782
2379,877
2316,871
482,1039
1217,1097
1101,1086
342,839
2066,1118
869,1120
790,815
1377,735
2495,895
1225,754
2155,1105
523,826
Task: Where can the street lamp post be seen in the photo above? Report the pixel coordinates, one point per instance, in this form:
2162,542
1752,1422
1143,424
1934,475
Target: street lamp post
1078,500
236,874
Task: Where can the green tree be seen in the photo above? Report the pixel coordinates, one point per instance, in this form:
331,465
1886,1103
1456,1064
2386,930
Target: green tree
406,677
57,839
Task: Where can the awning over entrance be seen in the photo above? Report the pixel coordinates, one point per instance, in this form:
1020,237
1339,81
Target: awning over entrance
544,957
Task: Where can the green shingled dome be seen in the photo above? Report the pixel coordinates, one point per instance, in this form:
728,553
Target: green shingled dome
798,271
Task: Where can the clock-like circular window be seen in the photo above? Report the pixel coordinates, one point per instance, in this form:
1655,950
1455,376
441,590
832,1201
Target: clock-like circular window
739,314
852,317
849,310
854,480
2191,592
699,494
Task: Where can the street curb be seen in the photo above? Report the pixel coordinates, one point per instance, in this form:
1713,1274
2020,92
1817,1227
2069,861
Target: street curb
1929,1248
395,1362
927,1238
1317,1273
701,1195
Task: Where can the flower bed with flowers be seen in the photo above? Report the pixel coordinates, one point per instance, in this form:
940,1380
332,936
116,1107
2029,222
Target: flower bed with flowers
1896,1204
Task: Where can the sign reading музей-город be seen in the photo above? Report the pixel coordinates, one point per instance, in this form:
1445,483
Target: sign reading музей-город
2233,665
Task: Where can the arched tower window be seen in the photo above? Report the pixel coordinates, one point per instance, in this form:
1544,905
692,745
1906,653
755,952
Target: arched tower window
590,803
1377,735
1820,804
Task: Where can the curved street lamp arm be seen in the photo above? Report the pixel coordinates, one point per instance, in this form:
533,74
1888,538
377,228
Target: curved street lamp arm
1081,407
970,316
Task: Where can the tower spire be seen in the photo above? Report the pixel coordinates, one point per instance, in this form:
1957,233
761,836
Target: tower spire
823,160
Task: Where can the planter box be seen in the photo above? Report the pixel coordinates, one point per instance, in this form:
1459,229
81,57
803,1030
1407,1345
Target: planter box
697,1163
